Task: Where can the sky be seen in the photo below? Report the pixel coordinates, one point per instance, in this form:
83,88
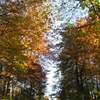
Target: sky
64,12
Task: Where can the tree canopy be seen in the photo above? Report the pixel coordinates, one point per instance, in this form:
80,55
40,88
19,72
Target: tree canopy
80,58
23,25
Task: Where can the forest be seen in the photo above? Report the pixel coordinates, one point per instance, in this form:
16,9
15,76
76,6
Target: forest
49,50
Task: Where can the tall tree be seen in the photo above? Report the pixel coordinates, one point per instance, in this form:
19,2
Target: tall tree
23,25
80,57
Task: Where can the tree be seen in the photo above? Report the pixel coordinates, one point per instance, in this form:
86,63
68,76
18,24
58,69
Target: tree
80,59
22,30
